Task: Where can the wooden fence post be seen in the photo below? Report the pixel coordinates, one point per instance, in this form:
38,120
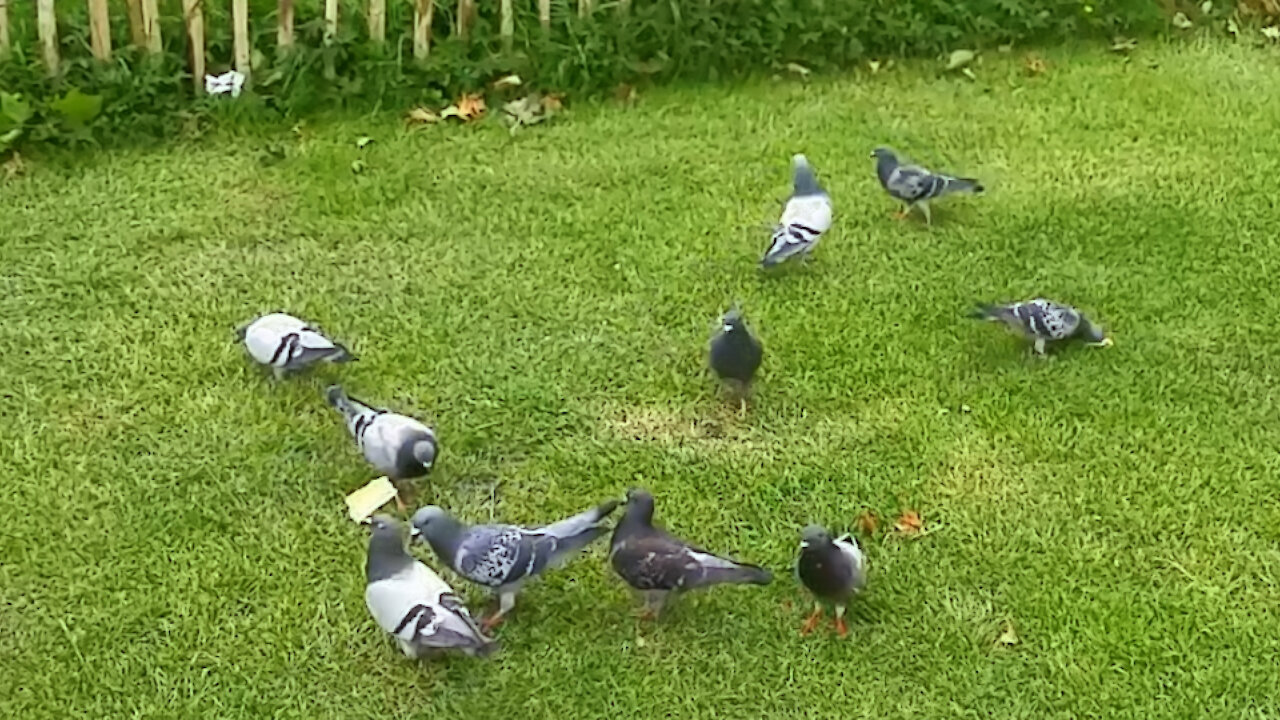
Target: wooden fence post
240,35
544,15
47,28
137,33
99,29
423,12
506,24
466,13
284,24
4,29
151,25
585,7
330,19
193,18
378,20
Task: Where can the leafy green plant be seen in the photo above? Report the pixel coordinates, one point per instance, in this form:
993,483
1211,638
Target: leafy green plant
14,114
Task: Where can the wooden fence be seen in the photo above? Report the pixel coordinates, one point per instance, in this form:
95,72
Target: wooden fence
144,27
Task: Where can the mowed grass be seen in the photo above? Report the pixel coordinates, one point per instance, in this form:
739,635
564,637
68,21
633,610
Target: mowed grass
172,533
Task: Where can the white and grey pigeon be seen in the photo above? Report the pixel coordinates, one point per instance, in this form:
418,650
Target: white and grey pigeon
656,563
504,557
412,603
286,344
916,186
833,570
805,217
1043,321
399,446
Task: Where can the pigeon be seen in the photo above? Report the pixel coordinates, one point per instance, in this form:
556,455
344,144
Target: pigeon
833,570
1042,321
805,217
656,563
916,186
412,603
504,557
397,445
286,344
735,354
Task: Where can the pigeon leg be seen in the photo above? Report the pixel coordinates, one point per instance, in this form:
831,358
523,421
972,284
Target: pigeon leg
902,213
1038,348
924,208
841,628
278,372
812,621
653,602
399,498
506,601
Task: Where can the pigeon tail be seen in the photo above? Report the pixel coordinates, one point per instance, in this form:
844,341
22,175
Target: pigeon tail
575,533
969,185
804,181
988,312
337,398
736,575
341,354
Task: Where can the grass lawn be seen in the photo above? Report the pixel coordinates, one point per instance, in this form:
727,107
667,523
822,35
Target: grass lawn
173,538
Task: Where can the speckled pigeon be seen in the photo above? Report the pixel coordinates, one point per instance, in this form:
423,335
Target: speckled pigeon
412,603
656,563
805,217
916,186
833,570
1042,321
504,557
397,445
286,344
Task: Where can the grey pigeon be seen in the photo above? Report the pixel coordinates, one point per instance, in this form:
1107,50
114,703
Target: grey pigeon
735,354
397,445
1042,321
805,217
504,557
412,603
916,186
833,570
656,563
286,344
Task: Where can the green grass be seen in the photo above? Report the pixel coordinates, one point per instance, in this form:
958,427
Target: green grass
173,541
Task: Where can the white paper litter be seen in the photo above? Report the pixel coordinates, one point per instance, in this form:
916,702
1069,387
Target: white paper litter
228,82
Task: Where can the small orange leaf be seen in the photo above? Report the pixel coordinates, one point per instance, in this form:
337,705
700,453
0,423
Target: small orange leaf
424,116
909,523
471,106
1035,64
867,523
553,103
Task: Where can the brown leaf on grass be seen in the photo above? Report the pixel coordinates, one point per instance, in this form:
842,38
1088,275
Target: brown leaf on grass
909,523
1035,64
422,116
507,81
867,522
1008,637
469,107
552,103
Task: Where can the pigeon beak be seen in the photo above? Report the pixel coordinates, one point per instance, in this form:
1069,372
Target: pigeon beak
804,543
728,328
414,531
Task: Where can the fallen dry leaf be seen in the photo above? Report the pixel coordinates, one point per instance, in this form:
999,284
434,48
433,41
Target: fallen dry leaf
909,523
507,81
423,116
14,166
867,523
798,69
553,103
469,107
1035,64
1008,637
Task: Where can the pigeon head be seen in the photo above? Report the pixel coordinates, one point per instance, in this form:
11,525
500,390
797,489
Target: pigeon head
814,536
883,153
424,451
803,181
385,526
1092,334
639,505
386,548
732,320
